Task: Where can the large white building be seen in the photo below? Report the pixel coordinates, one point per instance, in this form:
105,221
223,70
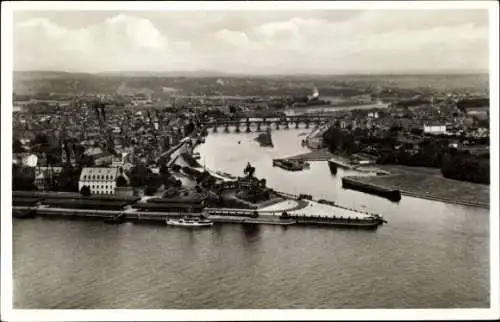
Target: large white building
99,180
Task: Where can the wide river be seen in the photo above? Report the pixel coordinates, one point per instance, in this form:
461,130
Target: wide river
429,255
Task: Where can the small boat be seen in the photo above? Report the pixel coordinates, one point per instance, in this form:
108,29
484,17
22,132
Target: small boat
189,222
291,165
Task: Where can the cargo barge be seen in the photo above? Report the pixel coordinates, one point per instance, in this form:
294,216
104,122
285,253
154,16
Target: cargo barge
353,184
368,223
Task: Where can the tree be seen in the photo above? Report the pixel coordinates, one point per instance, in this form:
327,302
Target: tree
417,131
332,138
23,178
466,167
164,169
394,130
86,161
121,182
85,191
154,180
67,180
150,190
17,147
138,176
41,143
189,128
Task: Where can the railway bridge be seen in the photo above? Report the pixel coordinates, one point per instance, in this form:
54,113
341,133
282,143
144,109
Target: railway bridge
259,123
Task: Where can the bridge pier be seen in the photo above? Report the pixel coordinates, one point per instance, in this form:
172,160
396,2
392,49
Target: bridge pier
248,127
277,125
226,128
214,129
258,126
287,126
307,124
237,127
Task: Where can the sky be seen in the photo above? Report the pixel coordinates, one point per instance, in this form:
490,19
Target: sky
252,42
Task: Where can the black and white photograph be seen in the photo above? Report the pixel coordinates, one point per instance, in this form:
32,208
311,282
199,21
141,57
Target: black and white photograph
249,160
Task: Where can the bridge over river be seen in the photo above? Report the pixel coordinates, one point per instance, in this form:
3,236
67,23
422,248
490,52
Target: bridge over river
258,123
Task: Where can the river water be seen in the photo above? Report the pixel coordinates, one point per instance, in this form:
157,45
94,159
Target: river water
429,255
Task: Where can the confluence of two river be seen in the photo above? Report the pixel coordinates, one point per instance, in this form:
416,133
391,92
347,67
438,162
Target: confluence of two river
429,255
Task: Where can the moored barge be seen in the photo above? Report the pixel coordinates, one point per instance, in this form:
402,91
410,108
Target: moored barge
362,220
290,165
353,184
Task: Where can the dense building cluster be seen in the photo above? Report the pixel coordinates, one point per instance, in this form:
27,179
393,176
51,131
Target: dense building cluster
61,135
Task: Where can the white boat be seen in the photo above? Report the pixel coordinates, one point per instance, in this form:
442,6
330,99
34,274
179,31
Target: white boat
189,222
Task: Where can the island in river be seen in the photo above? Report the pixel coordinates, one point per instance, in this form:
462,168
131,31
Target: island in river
265,139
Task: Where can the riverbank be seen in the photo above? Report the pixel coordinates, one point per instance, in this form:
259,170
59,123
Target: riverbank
319,155
432,187
418,182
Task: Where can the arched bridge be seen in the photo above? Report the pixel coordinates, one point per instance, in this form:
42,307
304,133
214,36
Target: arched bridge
259,123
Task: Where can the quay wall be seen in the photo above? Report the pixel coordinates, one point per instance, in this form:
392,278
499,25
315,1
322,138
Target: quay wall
160,217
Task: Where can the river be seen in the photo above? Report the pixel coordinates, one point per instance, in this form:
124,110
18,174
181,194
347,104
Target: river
429,255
